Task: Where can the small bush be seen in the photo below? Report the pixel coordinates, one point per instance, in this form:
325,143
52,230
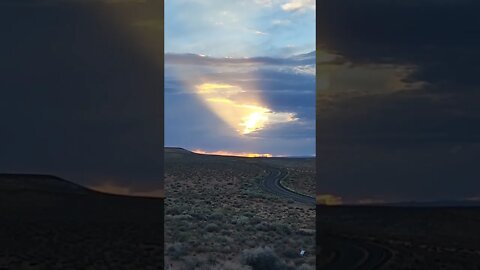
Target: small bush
291,253
263,258
262,227
216,216
231,266
211,259
191,263
176,250
282,228
305,267
212,227
241,220
180,217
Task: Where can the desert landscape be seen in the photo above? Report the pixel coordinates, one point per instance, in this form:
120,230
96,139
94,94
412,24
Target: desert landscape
219,215
398,238
49,223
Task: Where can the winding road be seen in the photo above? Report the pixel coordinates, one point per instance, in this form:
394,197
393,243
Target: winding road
350,254
353,254
271,183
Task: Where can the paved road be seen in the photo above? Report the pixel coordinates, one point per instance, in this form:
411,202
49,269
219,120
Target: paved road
355,254
271,183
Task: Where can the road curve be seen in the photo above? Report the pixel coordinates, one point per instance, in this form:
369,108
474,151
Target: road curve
271,183
353,254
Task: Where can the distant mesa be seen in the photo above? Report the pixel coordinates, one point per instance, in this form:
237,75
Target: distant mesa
39,182
178,150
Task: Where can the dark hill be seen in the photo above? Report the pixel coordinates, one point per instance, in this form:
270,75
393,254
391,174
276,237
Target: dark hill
34,182
50,223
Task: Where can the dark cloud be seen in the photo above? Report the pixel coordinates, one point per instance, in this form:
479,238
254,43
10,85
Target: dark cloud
439,39
81,98
282,88
195,59
275,81
395,144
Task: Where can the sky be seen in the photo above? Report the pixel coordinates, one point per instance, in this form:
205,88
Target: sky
81,92
240,76
397,111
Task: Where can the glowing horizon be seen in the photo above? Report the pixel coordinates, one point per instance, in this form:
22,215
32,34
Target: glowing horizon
231,154
111,187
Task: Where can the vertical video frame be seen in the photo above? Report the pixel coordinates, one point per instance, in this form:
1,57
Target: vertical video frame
240,135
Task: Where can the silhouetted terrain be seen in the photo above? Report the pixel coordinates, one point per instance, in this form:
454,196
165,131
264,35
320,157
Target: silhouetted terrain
49,223
376,237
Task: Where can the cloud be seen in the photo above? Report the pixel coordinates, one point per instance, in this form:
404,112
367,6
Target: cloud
239,108
152,23
299,5
223,95
306,69
260,33
196,59
60,3
398,117
237,28
388,61
78,106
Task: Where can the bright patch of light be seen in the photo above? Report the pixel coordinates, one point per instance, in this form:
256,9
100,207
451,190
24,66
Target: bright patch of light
239,108
233,154
254,121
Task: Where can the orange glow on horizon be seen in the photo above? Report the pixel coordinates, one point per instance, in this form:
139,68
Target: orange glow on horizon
113,188
328,199
233,154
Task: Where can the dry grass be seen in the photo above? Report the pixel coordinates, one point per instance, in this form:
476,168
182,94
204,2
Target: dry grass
216,212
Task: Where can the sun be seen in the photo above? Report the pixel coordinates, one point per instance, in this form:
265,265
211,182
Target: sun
241,109
254,121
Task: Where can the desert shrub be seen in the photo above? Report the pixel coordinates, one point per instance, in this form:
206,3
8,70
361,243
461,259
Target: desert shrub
173,210
231,266
262,226
211,227
183,236
306,232
176,250
180,217
191,263
263,258
305,267
226,232
218,238
241,220
282,228
211,259
216,216
255,220
251,194
291,253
